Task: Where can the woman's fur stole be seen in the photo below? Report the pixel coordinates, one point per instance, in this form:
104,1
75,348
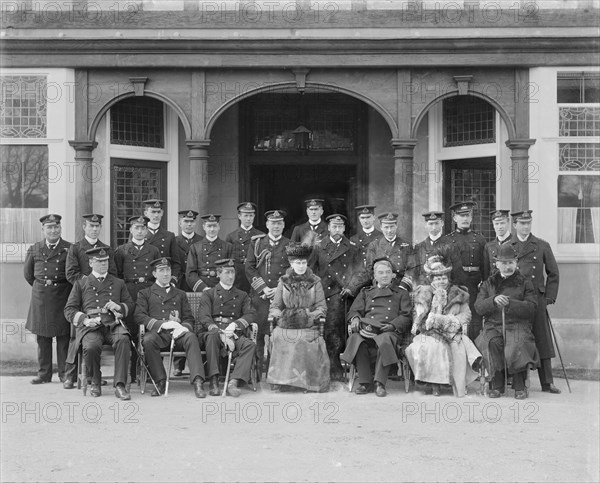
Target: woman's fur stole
432,310
299,300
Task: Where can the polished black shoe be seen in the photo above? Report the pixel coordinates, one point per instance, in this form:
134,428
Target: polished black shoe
551,388
96,391
104,381
232,388
435,389
494,393
214,386
362,389
121,392
159,390
39,380
68,384
520,395
198,388
380,390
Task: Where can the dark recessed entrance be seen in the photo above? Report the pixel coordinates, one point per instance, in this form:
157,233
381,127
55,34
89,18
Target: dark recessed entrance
297,146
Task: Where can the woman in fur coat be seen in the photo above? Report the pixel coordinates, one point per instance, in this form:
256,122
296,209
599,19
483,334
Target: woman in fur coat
441,352
298,353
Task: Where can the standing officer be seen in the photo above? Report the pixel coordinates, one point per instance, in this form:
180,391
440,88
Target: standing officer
379,318
78,267
535,260
166,314
391,246
93,307
45,271
315,225
240,239
226,311
160,237
501,222
367,232
201,272
187,220
470,245
339,265
434,222
266,262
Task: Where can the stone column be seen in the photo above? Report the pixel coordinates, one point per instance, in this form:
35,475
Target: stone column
520,172
199,174
85,176
403,184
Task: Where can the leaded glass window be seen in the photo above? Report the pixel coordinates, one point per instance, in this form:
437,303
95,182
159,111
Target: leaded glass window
23,106
468,120
138,121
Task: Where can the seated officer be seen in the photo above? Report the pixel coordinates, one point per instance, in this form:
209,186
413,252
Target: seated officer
379,318
166,314
226,311
93,305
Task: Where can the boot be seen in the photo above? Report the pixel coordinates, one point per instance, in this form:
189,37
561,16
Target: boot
214,386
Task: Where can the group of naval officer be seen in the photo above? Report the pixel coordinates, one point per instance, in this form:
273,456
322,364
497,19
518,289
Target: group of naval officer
86,294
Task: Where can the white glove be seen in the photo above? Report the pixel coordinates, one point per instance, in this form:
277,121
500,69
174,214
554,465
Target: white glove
179,331
230,330
169,325
228,342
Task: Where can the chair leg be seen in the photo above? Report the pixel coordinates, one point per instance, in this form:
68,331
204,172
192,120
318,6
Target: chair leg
78,363
83,375
527,379
143,377
406,375
253,377
168,376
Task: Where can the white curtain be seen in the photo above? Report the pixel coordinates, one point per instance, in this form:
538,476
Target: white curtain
21,225
567,225
596,223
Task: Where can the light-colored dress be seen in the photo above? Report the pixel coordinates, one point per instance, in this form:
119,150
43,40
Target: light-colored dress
441,352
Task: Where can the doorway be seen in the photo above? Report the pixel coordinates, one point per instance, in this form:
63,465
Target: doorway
471,180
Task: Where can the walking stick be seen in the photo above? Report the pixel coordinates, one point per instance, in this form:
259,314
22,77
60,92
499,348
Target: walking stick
170,364
557,349
227,374
504,349
140,358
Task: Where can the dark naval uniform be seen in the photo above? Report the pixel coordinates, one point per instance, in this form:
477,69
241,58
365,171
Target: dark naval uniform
300,231
426,249
376,306
45,271
536,263
340,267
78,264
362,240
87,300
164,240
266,262
470,245
220,307
400,253
184,245
240,239
153,308
133,266
489,252
201,270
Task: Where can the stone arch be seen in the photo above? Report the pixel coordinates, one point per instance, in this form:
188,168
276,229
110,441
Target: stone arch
285,85
156,95
503,114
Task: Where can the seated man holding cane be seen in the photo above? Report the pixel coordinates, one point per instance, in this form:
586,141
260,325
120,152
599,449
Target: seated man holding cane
166,314
507,300
379,318
226,311
95,306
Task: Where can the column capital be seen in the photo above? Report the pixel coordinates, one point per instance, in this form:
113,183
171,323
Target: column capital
520,143
198,144
403,143
86,145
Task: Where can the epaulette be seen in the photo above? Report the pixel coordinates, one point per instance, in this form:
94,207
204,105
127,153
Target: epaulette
256,237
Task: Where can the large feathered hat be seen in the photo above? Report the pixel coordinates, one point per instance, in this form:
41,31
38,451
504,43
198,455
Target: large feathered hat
298,250
439,263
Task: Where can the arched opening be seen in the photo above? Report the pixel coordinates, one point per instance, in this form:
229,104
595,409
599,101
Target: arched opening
293,146
466,151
